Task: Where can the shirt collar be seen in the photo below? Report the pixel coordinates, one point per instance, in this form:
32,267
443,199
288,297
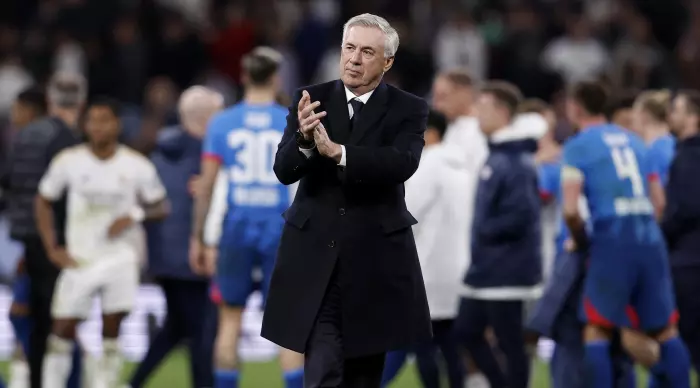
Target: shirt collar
350,95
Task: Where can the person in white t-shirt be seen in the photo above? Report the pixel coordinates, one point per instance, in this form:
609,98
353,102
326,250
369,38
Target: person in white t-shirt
110,190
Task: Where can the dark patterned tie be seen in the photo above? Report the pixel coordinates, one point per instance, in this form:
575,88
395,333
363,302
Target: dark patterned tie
357,106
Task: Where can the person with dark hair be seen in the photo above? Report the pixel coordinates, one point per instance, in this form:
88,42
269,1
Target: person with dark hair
111,190
681,221
242,140
506,264
32,149
628,281
29,105
439,194
619,110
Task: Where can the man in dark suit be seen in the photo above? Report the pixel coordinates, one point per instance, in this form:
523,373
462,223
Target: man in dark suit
347,285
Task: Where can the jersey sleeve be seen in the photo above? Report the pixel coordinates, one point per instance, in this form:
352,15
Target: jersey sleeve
574,156
55,180
652,166
214,142
150,188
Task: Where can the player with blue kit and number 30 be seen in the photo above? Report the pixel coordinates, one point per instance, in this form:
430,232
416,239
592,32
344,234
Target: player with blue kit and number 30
242,141
628,282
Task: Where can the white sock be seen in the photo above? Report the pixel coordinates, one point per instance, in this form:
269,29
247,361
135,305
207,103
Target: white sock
111,363
476,380
57,362
19,374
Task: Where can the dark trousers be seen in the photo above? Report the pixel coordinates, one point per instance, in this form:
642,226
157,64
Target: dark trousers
191,317
324,363
42,274
506,320
427,361
687,289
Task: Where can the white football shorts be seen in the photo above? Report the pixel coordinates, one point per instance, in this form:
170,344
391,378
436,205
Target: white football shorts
114,279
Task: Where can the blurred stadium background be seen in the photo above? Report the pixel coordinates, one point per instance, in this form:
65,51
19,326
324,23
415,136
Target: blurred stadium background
144,52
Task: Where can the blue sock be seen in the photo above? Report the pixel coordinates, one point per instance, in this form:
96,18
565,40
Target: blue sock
22,325
226,378
673,368
599,366
392,365
294,378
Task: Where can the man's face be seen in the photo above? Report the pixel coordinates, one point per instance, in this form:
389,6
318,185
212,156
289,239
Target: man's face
450,99
101,126
679,115
21,115
490,113
624,118
362,61
639,118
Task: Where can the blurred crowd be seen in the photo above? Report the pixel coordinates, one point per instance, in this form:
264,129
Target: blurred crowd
143,52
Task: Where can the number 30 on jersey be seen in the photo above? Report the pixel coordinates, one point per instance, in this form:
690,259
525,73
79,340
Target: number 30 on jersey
255,156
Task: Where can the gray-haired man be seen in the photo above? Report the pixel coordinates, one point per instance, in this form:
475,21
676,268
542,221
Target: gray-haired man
347,286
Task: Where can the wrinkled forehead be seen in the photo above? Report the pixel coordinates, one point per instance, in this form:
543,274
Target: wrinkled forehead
365,37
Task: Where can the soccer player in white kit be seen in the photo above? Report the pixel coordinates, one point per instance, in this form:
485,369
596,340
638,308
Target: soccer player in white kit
110,189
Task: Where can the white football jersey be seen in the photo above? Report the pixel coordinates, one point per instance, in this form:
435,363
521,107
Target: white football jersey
99,192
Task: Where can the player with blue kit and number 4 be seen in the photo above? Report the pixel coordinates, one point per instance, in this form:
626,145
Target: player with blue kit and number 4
242,140
628,282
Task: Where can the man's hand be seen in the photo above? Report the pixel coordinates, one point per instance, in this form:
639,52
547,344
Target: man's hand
308,120
61,258
211,254
194,186
325,146
202,259
569,245
119,226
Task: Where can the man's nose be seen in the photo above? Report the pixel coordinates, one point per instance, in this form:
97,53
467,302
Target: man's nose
356,57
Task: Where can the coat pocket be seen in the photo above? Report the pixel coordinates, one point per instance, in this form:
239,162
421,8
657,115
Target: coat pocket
296,216
397,221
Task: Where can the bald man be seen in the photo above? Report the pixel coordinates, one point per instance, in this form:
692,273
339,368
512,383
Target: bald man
177,159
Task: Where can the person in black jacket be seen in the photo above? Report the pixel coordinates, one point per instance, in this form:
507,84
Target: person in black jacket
681,220
506,266
347,285
32,150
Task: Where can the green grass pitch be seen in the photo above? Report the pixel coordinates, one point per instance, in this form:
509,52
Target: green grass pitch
174,373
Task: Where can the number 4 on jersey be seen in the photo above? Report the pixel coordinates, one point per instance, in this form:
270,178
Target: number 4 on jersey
627,167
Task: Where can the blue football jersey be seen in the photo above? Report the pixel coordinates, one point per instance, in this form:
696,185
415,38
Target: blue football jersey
616,169
244,138
661,152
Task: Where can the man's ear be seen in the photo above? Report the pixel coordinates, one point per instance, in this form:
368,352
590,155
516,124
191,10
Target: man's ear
388,63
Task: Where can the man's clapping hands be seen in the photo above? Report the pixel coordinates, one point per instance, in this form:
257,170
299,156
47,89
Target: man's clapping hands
312,129
308,120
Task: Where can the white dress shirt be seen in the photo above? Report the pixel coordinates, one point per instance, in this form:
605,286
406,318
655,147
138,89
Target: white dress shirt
349,96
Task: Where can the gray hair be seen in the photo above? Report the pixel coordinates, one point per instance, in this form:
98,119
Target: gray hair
67,89
391,37
197,102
